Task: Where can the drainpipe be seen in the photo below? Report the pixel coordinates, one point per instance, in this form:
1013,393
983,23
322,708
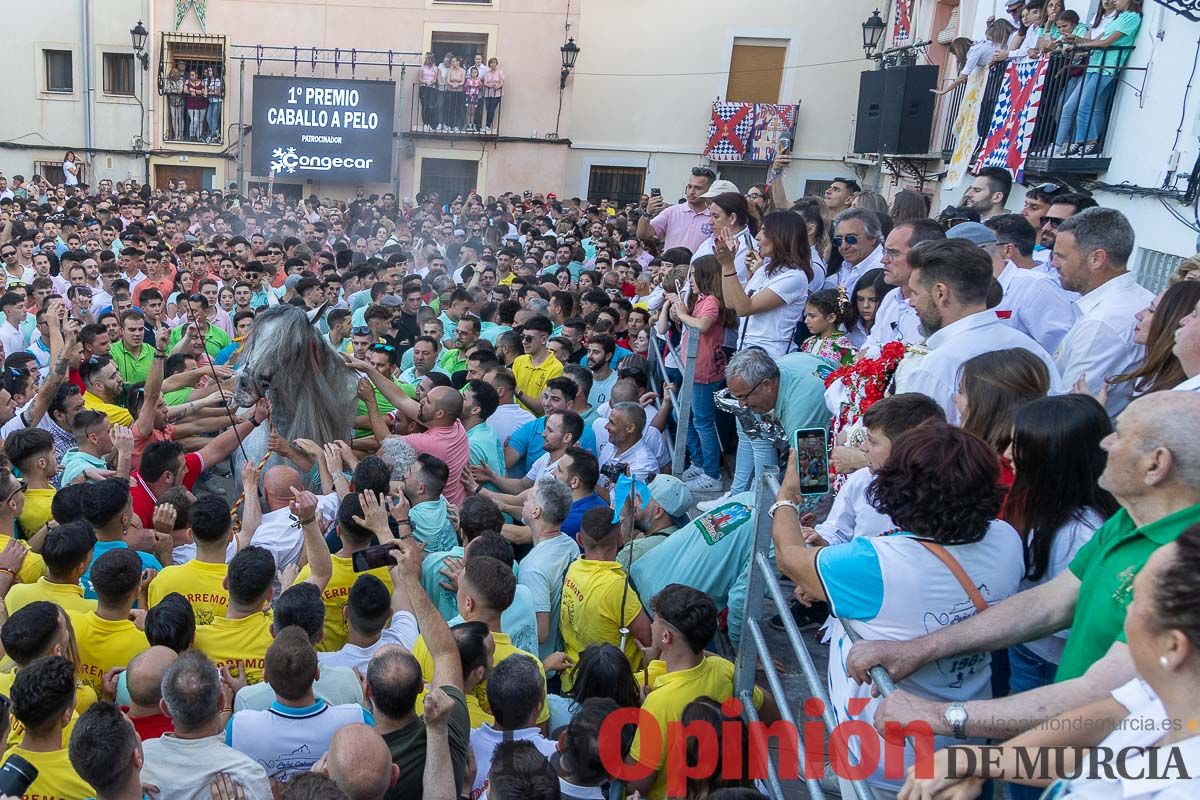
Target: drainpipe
89,137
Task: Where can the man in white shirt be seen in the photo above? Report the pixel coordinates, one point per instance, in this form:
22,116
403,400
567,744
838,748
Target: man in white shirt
1031,303
858,237
1091,252
896,319
279,531
509,416
625,445
516,695
373,619
11,337
1187,350
949,283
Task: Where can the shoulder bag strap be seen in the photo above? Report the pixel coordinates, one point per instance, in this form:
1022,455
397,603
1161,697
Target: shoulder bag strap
960,574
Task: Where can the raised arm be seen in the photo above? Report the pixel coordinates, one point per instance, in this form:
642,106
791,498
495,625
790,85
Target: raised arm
153,390
447,666
251,507
58,364
320,562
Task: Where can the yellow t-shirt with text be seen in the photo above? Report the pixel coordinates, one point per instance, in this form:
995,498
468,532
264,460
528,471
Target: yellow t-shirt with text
104,644
335,595
246,639
67,596
202,583
32,568
670,694
592,614
477,702
57,779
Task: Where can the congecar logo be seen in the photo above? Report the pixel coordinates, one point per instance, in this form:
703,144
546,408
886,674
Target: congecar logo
288,160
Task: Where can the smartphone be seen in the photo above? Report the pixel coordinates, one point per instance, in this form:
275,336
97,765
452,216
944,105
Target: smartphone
656,192
373,557
812,460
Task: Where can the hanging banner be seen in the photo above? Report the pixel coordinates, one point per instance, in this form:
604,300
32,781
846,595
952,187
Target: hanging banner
902,29
323,129
1007,141
749,131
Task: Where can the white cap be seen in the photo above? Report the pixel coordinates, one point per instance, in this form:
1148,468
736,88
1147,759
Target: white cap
720,187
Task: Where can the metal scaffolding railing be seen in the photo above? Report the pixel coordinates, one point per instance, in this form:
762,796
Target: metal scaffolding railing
763,583
681,395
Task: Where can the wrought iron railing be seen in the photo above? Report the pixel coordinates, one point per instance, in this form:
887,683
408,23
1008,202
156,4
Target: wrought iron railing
453,113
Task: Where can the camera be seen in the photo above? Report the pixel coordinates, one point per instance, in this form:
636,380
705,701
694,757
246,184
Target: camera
613,470
16,776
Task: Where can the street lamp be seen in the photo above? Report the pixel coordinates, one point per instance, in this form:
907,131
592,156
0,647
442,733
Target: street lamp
872,31
570,52
138,34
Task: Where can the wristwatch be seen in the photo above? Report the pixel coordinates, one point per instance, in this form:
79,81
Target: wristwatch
957,716
781,503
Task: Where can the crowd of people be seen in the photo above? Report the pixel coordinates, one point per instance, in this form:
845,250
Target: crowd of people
448,596
460,99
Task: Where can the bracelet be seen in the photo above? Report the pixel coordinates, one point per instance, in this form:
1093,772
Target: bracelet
309,521
8,571
729,274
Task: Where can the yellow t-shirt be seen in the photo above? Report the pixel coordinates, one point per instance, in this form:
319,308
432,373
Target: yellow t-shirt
67,596
202,583
246,639
57,779
532,380
117,415
84,697
37,510
104,644
32,568
335,595
477,702
592,614
670,694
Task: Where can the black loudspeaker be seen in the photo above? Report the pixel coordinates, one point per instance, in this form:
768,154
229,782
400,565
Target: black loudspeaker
895,110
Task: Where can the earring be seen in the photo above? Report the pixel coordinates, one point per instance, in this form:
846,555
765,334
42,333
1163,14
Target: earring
1163,661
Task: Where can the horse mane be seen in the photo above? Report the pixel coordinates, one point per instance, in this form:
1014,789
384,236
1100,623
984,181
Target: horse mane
312,391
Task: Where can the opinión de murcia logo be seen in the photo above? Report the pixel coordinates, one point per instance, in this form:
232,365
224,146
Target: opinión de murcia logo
288,160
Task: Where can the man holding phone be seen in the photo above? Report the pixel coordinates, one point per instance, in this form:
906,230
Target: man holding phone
683,224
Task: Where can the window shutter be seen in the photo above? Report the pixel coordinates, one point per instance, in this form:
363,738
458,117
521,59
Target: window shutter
755,74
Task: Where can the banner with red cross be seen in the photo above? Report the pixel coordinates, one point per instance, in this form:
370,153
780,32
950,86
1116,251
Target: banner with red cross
729,131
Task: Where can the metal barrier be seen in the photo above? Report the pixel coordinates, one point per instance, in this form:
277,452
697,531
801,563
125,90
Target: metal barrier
763,582
681,396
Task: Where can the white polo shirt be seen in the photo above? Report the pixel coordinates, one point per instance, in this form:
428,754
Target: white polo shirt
1036,305
852,515
506,419
1100,343
641,461
401,631
936,374
280,533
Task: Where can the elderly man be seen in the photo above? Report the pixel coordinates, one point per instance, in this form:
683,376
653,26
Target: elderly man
1153,470
1091,253
543,567
949,287
789,389
183,764
682,224
858,237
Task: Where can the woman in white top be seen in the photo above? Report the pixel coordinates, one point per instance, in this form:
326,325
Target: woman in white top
940,487
770,307
427,83
815,224
70,169
1145,727
729,215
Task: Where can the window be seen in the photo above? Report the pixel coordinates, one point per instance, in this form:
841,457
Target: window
1154,268
617,184
118,73
463,45
187,53
816,188
743,176
52,171
755,73
449,177
59,74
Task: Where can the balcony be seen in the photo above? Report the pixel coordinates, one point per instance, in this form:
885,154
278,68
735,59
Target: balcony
446,115
1075,118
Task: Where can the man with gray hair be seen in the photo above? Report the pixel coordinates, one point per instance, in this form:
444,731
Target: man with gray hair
625,447
1153,470
183,764
544,567
1091,254
859,238
790,390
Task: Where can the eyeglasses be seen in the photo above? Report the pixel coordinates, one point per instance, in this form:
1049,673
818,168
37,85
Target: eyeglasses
529,338
741,398
704,172
21,487
850,239
1053,222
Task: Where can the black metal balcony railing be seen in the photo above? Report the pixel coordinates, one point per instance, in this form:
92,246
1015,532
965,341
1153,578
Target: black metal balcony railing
1076,109
951,102
451,114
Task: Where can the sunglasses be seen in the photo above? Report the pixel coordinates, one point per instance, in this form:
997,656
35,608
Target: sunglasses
1048,188
527,338
1053,222
360,331
21,487
850,239
382,348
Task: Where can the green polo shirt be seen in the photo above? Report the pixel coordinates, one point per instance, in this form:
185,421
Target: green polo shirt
214,341
133,369
452,361
1106,566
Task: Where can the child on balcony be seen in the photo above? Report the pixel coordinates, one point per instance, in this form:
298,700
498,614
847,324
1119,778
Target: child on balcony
474,91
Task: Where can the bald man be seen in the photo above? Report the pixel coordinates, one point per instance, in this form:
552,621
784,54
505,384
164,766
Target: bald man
360,764
279,532
143,678
444,437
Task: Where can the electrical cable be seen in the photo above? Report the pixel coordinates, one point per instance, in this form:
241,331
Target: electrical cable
1187,90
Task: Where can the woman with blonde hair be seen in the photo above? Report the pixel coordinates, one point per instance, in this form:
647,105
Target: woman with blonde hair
974,74
174,91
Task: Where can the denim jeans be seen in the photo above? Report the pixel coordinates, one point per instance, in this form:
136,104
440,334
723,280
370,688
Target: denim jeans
1083,112
214,118
704,447
1028,671
752,456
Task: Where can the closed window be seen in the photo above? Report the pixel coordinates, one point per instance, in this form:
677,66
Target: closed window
118,73
755,73
59,76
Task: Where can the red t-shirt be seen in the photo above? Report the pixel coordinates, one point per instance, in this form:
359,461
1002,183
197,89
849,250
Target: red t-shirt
144,500
151,727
